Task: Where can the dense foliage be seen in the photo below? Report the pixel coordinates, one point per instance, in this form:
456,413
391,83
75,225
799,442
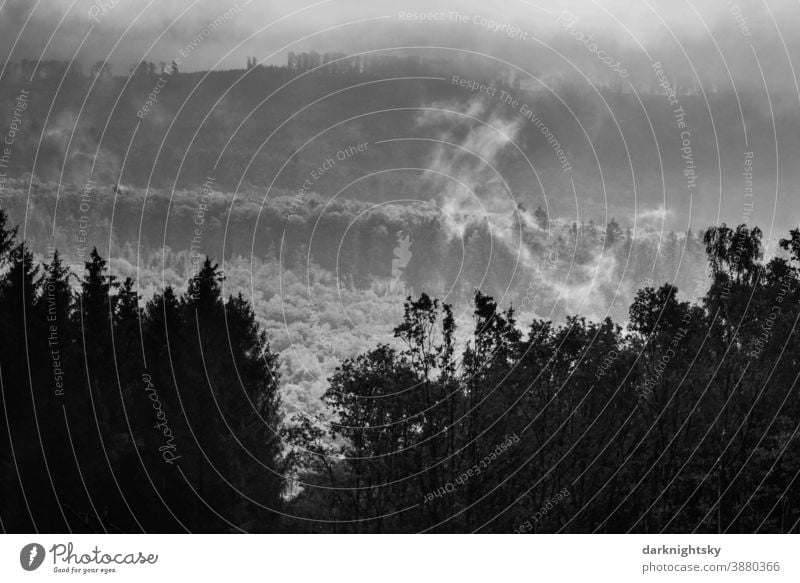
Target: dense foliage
686,422
121,415
509,254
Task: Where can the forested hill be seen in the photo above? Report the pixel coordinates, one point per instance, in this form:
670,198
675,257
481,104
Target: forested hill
551,267
271,126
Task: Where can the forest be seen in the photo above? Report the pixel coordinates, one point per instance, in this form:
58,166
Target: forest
250,129
165,414
319,275
494,249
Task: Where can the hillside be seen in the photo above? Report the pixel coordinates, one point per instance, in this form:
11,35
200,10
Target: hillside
267,128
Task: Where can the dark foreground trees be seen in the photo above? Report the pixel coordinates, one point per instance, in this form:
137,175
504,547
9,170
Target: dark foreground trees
686,421
122,418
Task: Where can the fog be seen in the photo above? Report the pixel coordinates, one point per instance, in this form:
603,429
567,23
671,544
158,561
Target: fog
706,39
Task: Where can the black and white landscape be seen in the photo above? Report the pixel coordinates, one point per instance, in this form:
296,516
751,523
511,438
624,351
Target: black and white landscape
399,266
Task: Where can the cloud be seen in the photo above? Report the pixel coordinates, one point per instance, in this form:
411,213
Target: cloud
57,28
467,141
655,216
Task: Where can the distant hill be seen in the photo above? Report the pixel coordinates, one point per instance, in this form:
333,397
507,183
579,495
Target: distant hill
276,127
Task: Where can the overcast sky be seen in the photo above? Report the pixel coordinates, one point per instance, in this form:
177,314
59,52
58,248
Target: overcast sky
157,30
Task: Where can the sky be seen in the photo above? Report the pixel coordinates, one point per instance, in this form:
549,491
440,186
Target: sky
126,31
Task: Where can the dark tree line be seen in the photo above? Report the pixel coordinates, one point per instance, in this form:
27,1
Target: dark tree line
686,421
121,416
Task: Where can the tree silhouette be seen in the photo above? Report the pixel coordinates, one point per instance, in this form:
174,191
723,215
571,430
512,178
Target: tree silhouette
165,416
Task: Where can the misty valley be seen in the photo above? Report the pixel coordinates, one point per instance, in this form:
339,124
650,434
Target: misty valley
534,277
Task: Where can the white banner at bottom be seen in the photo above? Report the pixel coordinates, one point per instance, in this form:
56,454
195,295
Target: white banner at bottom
399,558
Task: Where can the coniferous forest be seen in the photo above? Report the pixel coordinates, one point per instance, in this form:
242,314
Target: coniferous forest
165,414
